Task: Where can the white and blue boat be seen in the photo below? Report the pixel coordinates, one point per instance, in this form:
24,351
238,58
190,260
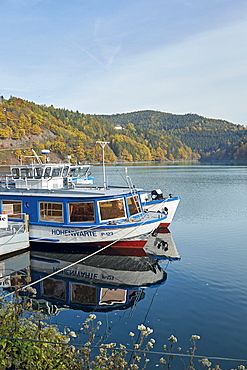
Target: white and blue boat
62,212
80,175
14,236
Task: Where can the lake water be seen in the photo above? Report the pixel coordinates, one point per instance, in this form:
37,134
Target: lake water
205,292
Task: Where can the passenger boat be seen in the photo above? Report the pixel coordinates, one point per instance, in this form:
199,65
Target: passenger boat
80,175
14,236
62,212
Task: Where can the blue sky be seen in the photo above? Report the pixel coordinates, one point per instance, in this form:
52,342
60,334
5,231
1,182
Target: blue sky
116,56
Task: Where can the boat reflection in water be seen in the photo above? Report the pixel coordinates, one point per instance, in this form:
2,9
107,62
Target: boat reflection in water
14,269
160,245
100,283
105,281
109,280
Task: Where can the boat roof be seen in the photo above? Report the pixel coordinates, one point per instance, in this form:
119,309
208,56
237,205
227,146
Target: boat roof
83,192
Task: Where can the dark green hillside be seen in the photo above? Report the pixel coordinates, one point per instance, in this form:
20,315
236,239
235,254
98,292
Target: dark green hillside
202,135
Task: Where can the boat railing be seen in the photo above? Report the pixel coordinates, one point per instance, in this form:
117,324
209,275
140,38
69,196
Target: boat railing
141,217
9,181
19,226
13,229
6,180
154,214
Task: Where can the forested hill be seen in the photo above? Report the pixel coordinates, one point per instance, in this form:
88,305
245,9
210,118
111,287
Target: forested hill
211,138
137,136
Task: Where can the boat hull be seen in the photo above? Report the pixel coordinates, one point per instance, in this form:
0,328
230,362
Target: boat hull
167,206
115,235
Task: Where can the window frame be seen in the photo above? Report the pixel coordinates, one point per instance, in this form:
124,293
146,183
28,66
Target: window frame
48,219
81,221
13,215
139,203
112,218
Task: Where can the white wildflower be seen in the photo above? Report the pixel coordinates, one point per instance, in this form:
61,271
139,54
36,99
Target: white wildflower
206,362
111,345
134,367
141,327
195,337
162,360
172,339
149,330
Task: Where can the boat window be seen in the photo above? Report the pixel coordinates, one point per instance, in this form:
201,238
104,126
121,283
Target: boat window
23,172
111,209
83,294
109,297
65,171
13,208
47,172
52,212
84,171
134,205
26,172
54,288
81,212
56,172
38,172
15,173
73,172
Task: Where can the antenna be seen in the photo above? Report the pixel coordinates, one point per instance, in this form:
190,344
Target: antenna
103,144
36,156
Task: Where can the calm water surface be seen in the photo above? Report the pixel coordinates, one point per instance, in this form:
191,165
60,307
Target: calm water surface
205,292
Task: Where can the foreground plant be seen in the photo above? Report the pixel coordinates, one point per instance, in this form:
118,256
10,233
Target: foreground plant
28,342
34,346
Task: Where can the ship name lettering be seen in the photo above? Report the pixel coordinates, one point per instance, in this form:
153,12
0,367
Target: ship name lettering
75,273
73,233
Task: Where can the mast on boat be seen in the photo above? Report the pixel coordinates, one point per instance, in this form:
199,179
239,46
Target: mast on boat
103,144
